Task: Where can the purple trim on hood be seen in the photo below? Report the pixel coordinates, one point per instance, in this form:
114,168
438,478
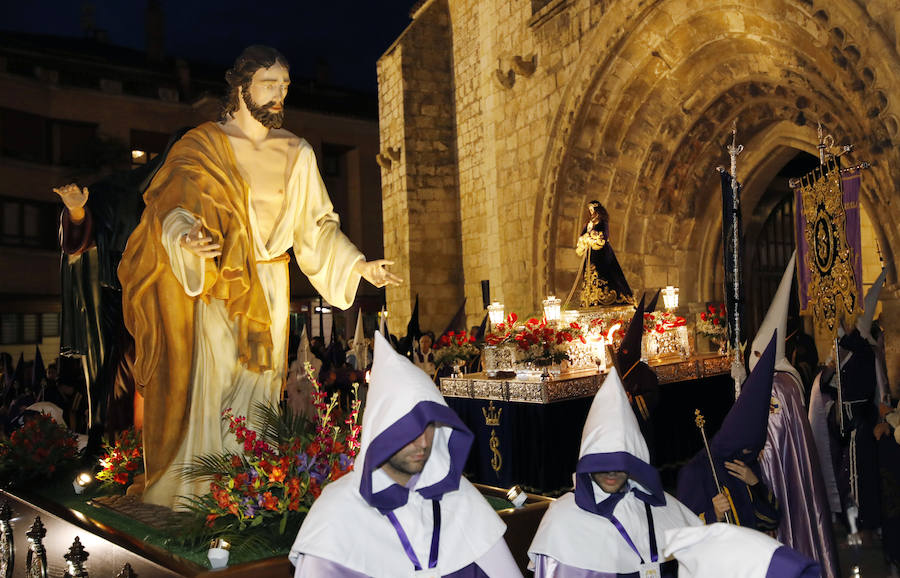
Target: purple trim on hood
638,470
402,432
788,563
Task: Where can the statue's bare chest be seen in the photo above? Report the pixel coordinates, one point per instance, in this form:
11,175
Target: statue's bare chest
265,168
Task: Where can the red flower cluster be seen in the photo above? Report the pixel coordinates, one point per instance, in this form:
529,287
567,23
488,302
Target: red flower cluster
454,345
246,436
662,321
40,448
503,332
450,338
545,343
715,315
124,459
714,321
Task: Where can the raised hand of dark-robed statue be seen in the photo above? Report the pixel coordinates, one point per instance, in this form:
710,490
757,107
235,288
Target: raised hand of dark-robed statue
198,242
74,198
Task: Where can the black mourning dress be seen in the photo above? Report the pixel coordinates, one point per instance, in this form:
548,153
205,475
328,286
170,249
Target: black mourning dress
604,283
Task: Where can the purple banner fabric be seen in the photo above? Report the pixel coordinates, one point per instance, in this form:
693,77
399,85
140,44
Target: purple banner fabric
791,469
802,251
850,183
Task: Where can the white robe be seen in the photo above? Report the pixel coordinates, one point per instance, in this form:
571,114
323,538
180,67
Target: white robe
218,380
350,535
586,541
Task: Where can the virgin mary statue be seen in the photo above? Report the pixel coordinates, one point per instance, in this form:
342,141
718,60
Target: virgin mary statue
604,283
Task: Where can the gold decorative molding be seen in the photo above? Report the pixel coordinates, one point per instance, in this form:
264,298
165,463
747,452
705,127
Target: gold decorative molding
490,389
574,385
455,387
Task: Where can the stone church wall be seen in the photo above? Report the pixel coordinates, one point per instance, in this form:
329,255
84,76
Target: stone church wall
632,103
421,201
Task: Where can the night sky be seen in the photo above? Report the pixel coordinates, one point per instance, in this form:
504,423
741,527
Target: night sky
348,35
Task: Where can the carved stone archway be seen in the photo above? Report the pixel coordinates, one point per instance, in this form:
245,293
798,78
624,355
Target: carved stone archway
645,118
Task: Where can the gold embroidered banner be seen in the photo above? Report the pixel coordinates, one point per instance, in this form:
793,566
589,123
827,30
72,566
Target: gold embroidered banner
832,291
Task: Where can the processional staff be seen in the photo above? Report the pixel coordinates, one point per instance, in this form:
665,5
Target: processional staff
701,422
737,363
826,142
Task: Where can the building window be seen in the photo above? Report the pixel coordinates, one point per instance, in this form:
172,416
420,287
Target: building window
24,136
25,328
25,223
30,328
50,324
333,159
9,328
76,141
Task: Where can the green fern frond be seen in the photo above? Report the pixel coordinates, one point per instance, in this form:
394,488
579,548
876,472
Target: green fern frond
279,424
207,466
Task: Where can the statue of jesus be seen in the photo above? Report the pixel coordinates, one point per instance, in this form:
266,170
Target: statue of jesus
205,274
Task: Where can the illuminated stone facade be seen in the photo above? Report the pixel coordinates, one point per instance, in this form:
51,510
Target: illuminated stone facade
554,103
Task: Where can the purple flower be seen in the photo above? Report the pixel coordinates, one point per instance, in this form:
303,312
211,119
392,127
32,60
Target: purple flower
344,461
249,507
304,463
318,475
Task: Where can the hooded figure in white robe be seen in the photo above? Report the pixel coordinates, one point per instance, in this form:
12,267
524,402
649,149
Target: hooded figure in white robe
789,460
727,550
298,387
589,533
366,524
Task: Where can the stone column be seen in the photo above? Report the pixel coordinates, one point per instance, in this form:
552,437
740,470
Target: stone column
419,171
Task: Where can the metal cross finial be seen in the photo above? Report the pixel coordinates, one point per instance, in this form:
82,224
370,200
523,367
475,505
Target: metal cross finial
7,546
76,557
826,141
36,560
37,532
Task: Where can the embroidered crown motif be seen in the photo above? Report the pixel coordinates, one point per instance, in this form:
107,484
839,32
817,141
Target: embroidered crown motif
491,414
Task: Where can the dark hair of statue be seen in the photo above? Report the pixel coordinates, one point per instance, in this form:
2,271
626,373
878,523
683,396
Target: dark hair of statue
600,210
241,74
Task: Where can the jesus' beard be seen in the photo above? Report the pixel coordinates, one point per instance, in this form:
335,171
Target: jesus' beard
263,114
